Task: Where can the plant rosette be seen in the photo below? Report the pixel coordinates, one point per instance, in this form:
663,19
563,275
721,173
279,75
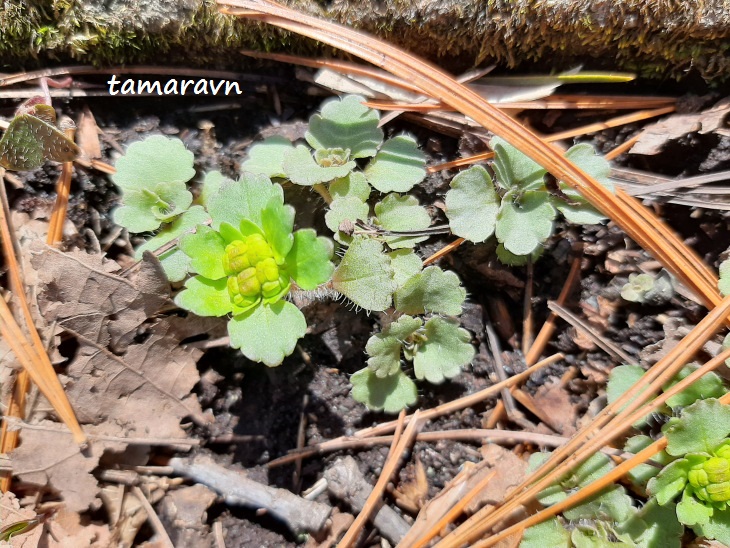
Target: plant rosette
246,263
701,474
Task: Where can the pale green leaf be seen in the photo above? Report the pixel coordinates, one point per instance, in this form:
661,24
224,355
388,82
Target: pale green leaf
384,348
354,184
346,123
348,208
301,169
268,333
446,350
621,379
211,185
548,534
155,160
717,528
266,157
365,275
612,502
398,166
472,205
433,290
205,297
174,261
402,213
513,168
701,427
389,394
670,481
523,225
277,221
710,385
406,264
653,526
724,284
308,262
243,199
205,248
691,512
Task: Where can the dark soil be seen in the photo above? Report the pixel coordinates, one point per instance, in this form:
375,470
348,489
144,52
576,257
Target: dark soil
264,407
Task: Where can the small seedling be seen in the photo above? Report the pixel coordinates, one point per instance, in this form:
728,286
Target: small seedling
33,137
521,203
648,289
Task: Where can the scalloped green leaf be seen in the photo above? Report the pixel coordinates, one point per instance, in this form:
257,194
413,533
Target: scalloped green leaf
205,248
145,210
205,297
472,205
402,213
596,466
155,160
724,283
522,227
365,276
243,199
701,427
277,221
584,156
389,394
691,512
211,185
175,263
670,481
642,473
385,348
268,333
309,262
710,385
346,123
354,184
267,157
433,290
653,526
446,350
406,264
349,208
717,528
546,534
612,502
301,169
513,168
511,259
621,379
398,166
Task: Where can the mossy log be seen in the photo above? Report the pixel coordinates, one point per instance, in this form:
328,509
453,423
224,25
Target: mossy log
657,37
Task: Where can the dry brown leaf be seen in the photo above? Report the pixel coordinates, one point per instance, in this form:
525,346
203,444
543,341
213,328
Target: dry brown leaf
141,390
87,134
412,494
555,402
10,512
66,530
655,136
63,469
82,292
339,523
510,472
185,511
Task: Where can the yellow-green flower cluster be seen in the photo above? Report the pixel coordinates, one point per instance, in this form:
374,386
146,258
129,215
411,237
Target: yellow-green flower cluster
710,479
253,272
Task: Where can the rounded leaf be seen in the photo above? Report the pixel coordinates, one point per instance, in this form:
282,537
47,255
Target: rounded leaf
472,205
308,262
389,394
399,213
266,157
155,160
447,349
406,264
354,184
205,248
398,166
243,199
433,290
522,227
301,169
365,276
349,208
205,297
267,333
348,124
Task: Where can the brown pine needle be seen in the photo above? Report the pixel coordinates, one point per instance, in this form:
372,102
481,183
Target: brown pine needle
443,409
443,251
623,147
395,458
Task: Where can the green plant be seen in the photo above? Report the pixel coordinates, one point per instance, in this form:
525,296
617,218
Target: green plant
648,289
521,203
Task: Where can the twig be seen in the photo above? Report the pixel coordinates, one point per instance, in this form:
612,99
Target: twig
602,342
346,482
153,518
394,461
527,321
509,402
297,513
